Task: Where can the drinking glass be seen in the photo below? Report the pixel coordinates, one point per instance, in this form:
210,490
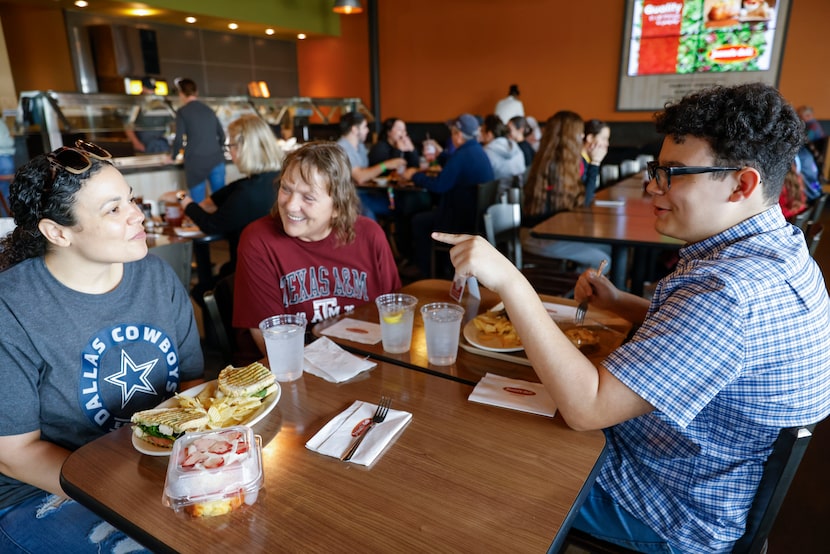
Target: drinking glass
396,313
442,326
284,341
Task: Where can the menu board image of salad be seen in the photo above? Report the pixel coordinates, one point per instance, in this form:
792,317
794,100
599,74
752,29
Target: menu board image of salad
701,36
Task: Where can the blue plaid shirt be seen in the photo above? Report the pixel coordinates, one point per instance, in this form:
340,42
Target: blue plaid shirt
735,346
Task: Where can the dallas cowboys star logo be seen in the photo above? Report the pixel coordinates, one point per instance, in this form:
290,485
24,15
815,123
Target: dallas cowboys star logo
132,378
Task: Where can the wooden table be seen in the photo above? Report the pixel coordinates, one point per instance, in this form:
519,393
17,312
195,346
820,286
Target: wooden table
472,363
628,226
462,477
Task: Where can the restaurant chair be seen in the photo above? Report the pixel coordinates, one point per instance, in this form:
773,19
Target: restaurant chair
501,227
219,308
813,235
800,220
629,167
818,207
486,194
778,475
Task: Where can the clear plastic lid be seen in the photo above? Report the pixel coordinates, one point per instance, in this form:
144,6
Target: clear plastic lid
209,467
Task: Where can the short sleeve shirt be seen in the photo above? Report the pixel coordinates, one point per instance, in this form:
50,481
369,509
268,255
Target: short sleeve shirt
735,347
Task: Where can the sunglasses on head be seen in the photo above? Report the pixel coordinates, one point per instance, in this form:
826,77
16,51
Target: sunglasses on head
78,159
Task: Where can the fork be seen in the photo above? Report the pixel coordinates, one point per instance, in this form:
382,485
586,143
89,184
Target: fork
582,308
380,414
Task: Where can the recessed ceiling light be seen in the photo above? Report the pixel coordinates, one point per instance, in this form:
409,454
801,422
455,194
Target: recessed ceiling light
81,3
269,31
190,19
233,26
141,12
301,36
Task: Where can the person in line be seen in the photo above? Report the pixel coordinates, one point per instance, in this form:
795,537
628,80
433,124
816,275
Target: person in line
94,330
519,130
793,199
535,135
354,129
594,149
314,253
148,141
466,168
504,153
553,185
510,106
204,157
733,347
256,153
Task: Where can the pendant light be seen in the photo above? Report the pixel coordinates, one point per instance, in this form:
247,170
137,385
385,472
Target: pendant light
347,7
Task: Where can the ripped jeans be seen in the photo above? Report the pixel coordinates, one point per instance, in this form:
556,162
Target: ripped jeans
48,523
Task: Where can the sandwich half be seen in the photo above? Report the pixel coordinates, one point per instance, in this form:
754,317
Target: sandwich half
162,426
253,380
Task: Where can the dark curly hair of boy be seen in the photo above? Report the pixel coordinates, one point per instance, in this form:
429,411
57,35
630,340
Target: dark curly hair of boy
745,125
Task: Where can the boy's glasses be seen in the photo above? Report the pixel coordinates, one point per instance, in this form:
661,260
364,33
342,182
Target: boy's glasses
78,159
663,174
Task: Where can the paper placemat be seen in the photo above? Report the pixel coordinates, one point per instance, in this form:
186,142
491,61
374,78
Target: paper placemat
354,330
513,394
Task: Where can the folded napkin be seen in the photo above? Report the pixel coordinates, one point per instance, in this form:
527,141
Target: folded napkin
354,330
325,359
513,394
336,435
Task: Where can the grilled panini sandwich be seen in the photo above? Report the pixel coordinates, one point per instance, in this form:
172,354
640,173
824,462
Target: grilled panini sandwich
162,426
254,380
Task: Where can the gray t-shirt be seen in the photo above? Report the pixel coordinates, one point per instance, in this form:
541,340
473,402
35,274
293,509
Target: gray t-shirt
358,157
76,365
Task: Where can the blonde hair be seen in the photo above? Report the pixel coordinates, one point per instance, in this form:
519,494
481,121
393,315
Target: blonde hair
257,150
329,162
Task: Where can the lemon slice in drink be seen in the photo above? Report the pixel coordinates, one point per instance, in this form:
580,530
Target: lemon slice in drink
394,317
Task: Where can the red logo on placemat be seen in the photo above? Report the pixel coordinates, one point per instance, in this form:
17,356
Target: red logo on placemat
517,390
358,429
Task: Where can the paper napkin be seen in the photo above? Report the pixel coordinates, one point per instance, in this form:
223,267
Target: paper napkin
336,435
513,394
354,330
609,203
325,359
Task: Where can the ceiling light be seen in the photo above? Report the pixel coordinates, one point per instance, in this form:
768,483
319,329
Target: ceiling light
347,6
190,19
301,36
233,26
269,31
81,3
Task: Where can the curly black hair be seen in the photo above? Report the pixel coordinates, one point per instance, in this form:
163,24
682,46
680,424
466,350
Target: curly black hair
35,195
745,125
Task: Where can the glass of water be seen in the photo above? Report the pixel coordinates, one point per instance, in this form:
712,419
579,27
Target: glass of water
284,341
396,312
442,326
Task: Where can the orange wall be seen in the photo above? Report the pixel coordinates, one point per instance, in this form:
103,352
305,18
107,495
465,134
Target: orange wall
439,58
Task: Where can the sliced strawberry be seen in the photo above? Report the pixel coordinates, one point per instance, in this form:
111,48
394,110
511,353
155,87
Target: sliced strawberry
241,447
232,435
194,458
220,447
203,443
214,461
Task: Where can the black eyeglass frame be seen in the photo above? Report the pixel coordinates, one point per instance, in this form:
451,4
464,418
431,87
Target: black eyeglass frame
652,168
78,159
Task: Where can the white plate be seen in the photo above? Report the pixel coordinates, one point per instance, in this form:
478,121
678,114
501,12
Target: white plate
265,408
558,312
187,231
381,181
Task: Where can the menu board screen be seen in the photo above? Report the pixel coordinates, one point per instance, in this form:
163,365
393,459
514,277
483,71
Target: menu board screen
673,46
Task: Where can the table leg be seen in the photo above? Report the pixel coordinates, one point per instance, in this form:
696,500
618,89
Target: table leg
619,265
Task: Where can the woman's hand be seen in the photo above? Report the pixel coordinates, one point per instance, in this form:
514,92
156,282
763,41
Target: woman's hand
404,144
473,256
597,151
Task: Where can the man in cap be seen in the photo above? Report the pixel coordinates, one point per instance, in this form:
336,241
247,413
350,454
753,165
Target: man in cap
151,139
467,167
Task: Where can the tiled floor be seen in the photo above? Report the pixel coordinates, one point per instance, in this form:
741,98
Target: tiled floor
806,510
